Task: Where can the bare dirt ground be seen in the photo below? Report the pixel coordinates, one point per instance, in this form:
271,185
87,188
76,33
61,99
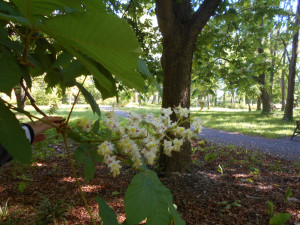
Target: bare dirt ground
226,185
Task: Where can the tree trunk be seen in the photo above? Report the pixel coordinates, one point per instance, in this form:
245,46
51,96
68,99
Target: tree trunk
272,74
282,83
265,97
258,103
288,113
180,27
20,97
208,102
248,103
154,98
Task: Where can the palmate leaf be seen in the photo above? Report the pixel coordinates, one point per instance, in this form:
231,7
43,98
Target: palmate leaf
103,83
5,41
10,131
16,19
36,10
107,215
90,99
89,168
105,38
139,199
143,69
10,73
146,197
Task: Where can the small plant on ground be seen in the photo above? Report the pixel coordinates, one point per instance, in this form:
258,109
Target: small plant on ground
4,213
51,212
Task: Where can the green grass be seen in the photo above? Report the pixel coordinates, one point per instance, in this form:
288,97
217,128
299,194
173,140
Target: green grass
240,121
250,123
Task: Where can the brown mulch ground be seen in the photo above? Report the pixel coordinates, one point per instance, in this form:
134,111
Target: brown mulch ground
203,196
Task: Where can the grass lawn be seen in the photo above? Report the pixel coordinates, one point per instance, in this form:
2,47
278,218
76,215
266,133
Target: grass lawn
241,121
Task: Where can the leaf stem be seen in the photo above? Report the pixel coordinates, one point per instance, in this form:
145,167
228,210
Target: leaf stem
76,178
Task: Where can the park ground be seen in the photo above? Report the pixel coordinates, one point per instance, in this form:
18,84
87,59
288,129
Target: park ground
226,184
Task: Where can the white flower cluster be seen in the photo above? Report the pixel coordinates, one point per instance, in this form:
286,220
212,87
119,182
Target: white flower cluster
143,137
85,124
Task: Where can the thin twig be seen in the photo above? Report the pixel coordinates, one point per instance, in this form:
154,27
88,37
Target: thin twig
16,30
127,9
76,178
75,101
32,101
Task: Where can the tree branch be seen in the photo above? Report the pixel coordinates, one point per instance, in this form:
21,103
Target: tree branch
285,49
203,14
32,101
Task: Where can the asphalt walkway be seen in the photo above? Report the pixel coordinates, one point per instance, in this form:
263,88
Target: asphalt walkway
283,148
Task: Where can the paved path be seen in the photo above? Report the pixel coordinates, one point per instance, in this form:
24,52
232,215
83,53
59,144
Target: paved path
283,148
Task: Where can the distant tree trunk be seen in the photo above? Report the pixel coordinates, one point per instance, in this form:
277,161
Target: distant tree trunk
258,103
208,102
282,83
216,101
154,98
135,97
224,97
265,97
180,27
272,74
288,113
20,97
248,103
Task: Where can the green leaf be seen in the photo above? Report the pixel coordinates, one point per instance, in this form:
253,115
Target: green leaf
146,197
16,19
13,45
143,69
287,195
107,215
89,98
12,136
70,72
161,192
160,214
53,77
89,168
62,59
79,153
10,71
37,10
139,199
22,186
98,82
279,219
270,208
105,85
96,126
108,40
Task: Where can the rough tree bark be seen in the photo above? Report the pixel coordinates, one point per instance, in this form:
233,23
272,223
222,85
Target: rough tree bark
288,113
180,27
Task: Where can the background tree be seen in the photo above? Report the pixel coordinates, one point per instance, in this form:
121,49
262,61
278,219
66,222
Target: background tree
180,26
288,113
